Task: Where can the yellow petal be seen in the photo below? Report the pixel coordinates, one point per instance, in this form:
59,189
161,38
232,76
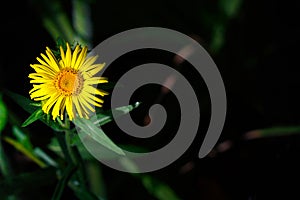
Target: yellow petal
88,62
74,56
47,106
52,60
63,107
77,106
67,59
85,104
49,63
94,91
95,80
93,97
94,69
69,107
43,62
80,59
43,68
62,53
57,107
42,98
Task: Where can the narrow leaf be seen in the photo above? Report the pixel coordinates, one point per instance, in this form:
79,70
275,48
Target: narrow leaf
230,8
158,189
22,101
29,106
62,183
3,115
51,123
81,16
272,132
55,20
105,117
155,187
55,147
26,152
82,193
41,154
22,138
36,115
5,168
88,128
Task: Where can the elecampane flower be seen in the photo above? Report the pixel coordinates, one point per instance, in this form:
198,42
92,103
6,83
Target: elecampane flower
67,83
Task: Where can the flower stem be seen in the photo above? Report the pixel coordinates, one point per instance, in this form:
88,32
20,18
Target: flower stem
68,172
75,155
76,176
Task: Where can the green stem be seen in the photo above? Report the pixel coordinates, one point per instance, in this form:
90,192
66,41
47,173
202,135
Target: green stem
70,149
75,155
95,177
63,125
74,160
5,169
4,166
67,174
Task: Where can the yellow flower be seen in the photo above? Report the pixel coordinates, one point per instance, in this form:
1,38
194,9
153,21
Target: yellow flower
67,83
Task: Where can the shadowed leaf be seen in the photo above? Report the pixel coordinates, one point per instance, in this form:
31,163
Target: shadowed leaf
89,130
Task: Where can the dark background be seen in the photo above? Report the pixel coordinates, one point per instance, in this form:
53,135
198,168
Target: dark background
259,65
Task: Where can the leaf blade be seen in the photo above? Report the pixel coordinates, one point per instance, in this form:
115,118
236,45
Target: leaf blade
89,129
36,115
3,115
25,151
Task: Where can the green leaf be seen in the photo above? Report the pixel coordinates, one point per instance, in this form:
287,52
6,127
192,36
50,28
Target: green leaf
83,194
155,187
95,178
55,147
158,189
30,107
22,138
82,22
277,131
89,130
40,115
217,37
230,8
22,101
3,115
105,117
46,119
29,154
100,119
56,20
37,104
41,154
36,115
4,164
60,42
62,183
273,132
5,168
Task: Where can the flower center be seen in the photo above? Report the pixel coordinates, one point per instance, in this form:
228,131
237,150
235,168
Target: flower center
69,82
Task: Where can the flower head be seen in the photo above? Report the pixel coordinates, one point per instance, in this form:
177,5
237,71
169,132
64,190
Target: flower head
67,83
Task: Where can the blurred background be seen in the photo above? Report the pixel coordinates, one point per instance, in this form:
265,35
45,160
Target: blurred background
253,43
